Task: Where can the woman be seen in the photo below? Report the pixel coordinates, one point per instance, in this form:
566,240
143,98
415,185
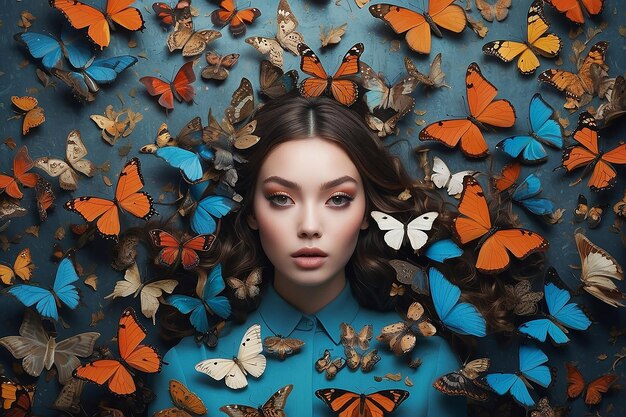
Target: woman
308,189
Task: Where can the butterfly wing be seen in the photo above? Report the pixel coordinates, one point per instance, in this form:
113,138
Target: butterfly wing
442,250
315,85
566,313
597,387
31,345
525,193
339,400
158,87
249,355
202,221
276,403
184,399
473,221
188,162
480,95
107,371
218,369
573,10
63,287
274,82
531,360
42,298
384,401
287,24
242,18
150,295
129,285
395,235
402,20
575,381
200,243
186,305
75,152
105,70
540,328
23,265
127,194
217,304
125,16
42,47
130,334
182,82
268,46
416,227
346,91
66,352
81,15
493,257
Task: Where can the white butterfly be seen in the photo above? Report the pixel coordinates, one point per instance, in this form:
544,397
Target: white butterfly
38,350
249,360
442,177
395,236
149,293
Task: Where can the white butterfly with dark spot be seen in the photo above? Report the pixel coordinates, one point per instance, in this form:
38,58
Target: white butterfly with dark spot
415,230
443,178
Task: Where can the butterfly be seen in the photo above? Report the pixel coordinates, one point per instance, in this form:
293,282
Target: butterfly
543,129
45,300
598,270
21,165
180,87
474,222
274,82
460,317
189,162
384,128
22,406
349,337
81,15
33,114
189,136
418,26
573,9
241,103
50,49
286,36
499,10
464,381
75,153
578,84
117,373
350,404
210,302
238,19
22,267
219,65
149,292
282,346
38,350
69,400
343,90
272,407
615,106
538,42
209,208
382,96
524,194
170,16
127,197
561,314
329,366
544,409
174,252
410,274
44,196
414,230
576,385
186,402
10,390
483,111
603,174
402,336
443,178
521,299
583,212
249,288
436,78
190,41
366,360
531,368
249,360
333,35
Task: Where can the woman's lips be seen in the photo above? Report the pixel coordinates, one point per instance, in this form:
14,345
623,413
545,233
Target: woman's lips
309,262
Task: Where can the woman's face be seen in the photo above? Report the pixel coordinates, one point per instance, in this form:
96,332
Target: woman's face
309,206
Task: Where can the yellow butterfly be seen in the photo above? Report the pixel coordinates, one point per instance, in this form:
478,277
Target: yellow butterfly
22,267
547,45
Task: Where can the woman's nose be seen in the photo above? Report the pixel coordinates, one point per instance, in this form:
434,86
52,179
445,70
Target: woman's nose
309,222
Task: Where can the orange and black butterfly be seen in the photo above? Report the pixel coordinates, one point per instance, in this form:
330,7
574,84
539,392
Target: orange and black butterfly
603,174
81,15
170,16
174,251
474,222
238,19
350,404
127,197
484,110
573,9
116,373
21,165
576,385
343,90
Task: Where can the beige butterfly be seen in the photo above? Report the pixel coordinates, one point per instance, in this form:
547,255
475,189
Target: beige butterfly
331,366
68,399
349,337
38,350
248,288
282,346
402,336
187,403
499,10
333,36
361,3
383,128
75,151
286,36
149,293
436,78
191,42
219,65
365,361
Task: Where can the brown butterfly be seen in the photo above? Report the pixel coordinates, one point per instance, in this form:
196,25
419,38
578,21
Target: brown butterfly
582,212
436,78
386,127
544,409
44,196
219,66
248,288
616,105
499,10
576,385
402,336
241,104
187,404
191,42
521,299
274,407
464,381
366,360
282,346
275,82
331,366
410,274
349,337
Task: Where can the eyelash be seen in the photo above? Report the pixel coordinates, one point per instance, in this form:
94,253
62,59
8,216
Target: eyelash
272,199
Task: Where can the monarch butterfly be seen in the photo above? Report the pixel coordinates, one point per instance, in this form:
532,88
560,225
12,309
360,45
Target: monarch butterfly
473,222
33,114
174,251
22,267
127,197
116,373
483,111
538,41
81,15
573,10
21,165
228,13
350,404
418,27
576,385
344,91
180,87
603,174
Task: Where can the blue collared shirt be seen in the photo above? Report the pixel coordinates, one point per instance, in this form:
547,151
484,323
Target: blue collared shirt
319,331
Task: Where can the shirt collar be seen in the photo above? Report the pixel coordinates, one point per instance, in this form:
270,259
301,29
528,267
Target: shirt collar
282,318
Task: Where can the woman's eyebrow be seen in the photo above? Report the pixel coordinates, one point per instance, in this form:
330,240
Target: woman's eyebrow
325,186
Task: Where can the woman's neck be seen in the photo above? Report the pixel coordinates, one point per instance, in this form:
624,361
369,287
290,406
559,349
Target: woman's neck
309,299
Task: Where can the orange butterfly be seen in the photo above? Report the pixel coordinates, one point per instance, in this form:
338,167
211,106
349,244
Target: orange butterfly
180,88
22,267
603,174
21,165
595,389
81,15
508,177
344,91
127,197
441,13
237,18
350,404
33,114
473,222
116,373
174,251
483,111
574,11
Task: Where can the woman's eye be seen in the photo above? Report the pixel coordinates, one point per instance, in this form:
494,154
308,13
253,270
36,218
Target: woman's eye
279,199
340,200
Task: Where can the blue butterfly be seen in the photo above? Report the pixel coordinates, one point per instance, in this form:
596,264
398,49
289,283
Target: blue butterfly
210,303
562,315
45,300
442,250
531,360
188,162
460,317
51,49
544,129
209,208
524,194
